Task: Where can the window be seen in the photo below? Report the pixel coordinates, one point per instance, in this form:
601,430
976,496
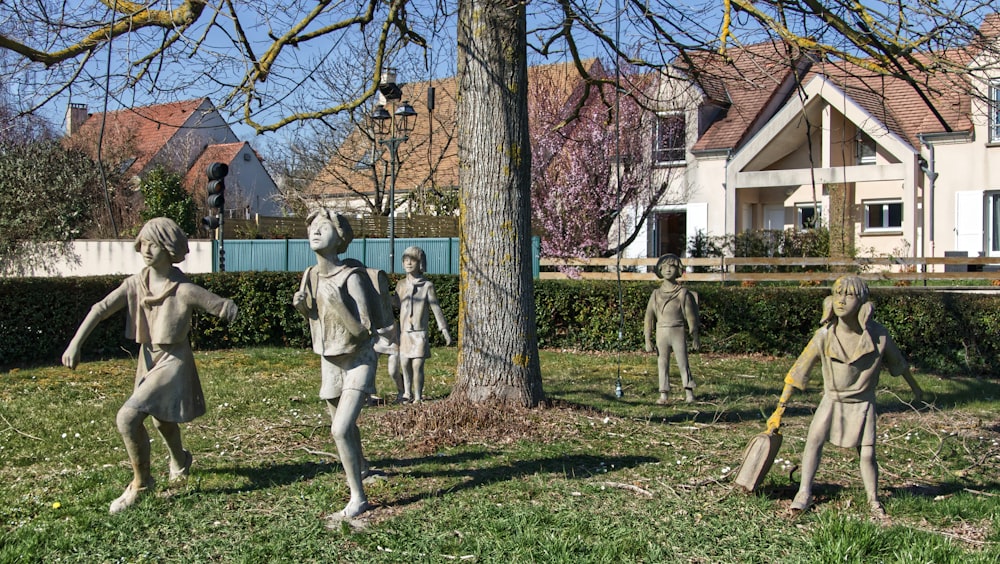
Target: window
669,145
866,149
807,215
883,215
994,111
993,223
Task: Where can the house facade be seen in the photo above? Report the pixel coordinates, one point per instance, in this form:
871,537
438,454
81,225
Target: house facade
772,141
772,138
183,137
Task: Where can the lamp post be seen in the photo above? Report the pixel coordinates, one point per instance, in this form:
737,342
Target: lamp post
391,130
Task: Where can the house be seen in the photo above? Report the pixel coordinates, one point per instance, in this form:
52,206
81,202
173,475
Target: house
183,137
770,137
355,180
773,141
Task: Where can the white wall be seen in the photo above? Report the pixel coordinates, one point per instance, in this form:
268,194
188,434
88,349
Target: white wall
99,257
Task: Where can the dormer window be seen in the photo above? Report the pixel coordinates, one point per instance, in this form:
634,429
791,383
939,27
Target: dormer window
866,149
670,141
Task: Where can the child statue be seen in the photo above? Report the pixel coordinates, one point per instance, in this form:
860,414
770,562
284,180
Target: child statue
339,301
160,301
416,300
852,349
672,307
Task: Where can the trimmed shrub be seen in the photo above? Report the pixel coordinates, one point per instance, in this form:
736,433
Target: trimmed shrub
941,332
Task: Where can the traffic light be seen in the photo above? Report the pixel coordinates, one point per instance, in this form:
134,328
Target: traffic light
210,222
216,188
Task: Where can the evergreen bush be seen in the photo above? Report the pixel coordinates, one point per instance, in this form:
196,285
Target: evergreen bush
941,332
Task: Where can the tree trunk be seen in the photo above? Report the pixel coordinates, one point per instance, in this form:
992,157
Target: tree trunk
498,347
841,220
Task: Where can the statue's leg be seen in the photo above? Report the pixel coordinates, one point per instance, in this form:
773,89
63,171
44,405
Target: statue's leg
180,459
407,370
818,430
395,372
417,369
680,349
131,425
869,476
663,348
344,427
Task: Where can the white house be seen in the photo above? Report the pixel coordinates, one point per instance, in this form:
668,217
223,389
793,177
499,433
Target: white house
183,137
759,141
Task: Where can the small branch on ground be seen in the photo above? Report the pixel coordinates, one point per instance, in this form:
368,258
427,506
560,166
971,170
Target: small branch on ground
16,430
321,453
629,487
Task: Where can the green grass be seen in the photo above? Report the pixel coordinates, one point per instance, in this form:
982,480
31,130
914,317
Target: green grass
589,478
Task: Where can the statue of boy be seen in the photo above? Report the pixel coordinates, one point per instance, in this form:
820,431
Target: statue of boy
671,308
339,301
160,301
852,349
416,300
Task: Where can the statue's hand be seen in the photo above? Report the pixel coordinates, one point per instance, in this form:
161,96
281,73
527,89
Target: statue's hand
71,357
774,422
229,311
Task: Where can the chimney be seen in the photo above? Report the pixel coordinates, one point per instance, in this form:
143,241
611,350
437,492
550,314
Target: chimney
76,114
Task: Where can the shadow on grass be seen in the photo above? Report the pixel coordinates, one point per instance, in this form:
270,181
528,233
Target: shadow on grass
272,475
934,490
577,466
703,410
823,492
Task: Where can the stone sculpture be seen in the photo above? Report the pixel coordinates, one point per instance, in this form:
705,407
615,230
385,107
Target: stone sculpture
852,349
671,309
160,301
340,303
417,300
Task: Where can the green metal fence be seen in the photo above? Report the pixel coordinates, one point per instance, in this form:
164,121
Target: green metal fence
295,255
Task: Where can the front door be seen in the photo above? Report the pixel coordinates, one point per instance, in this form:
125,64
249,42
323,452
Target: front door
774,217
671,233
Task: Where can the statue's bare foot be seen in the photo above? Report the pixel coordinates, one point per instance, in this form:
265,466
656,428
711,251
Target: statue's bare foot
132,494
353,509
801,503
878,512
182,473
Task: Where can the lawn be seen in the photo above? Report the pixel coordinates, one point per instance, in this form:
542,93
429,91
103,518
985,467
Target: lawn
589,478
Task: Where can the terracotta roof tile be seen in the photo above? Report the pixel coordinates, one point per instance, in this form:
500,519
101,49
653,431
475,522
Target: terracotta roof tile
942,103
196,177
430,156
747,80
148,128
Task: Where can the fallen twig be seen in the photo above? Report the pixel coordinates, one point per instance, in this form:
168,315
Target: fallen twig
321,453
629,487
16,430
978,492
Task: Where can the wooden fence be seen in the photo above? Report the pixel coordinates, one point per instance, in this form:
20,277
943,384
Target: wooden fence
804,269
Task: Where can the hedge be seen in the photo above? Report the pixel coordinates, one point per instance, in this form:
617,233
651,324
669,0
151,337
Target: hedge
942,332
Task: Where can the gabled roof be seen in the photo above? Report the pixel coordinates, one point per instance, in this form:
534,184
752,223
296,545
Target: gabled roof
749,83
148,127
746,81
936,103
223,153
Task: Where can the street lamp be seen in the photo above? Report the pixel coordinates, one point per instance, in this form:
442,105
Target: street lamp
392,130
